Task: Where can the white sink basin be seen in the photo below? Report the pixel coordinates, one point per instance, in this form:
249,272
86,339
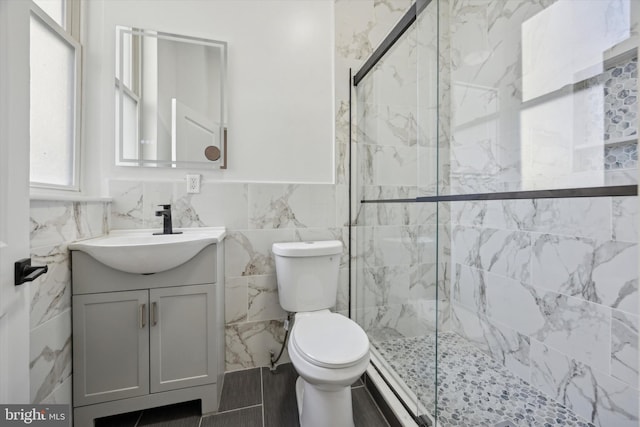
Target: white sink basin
142,252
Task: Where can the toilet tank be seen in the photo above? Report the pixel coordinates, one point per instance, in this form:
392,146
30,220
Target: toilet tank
307,274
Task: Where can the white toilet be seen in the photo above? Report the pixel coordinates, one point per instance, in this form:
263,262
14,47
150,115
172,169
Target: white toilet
329,351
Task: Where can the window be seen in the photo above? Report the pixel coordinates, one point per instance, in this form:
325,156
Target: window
56,9
127,96
55,95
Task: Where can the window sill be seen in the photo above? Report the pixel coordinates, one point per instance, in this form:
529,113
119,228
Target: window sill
67,198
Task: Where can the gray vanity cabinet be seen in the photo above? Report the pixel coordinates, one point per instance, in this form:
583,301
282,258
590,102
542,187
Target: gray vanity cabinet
135,342
181,337
111,338
146,340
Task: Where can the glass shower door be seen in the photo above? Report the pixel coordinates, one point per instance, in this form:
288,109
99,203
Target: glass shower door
397,284
537,159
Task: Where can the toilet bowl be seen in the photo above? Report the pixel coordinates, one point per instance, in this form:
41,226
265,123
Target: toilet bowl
330,352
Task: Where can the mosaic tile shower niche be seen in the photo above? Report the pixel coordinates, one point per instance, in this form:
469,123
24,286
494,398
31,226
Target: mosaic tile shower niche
621,101
508,310
621,115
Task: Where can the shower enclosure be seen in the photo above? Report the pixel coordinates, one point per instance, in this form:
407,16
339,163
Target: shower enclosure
494,175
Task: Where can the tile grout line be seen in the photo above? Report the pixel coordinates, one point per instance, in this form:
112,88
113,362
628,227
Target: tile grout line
262,395
139,418
237,409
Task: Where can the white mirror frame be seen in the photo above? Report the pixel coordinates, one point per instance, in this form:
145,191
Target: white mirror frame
199,121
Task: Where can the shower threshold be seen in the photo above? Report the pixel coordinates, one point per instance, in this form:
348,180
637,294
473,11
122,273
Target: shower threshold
419,412
473,388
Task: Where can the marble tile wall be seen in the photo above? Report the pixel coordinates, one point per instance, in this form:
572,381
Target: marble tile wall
547,287
402,269
400,284
359,28
256,216
543,286
516,124
53,226
387,118
550,288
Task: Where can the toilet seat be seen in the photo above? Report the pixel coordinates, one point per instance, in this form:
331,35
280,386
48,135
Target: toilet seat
329,340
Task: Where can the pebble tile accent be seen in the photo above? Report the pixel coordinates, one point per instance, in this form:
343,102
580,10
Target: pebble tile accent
473,389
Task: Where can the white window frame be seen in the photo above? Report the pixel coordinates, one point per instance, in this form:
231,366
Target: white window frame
134,93
69,35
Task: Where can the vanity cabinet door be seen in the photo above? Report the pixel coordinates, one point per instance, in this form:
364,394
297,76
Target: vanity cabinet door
182,337
110,346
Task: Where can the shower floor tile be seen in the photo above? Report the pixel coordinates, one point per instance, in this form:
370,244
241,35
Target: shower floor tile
473,389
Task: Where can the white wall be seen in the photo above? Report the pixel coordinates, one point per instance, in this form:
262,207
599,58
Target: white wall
259,214
281,120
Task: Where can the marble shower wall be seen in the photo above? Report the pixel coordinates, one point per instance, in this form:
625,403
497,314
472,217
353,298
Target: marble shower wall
360,26
398,277
547,287
539,89
53,226
550,289
402,272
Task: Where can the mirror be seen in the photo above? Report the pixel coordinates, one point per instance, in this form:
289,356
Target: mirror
170,100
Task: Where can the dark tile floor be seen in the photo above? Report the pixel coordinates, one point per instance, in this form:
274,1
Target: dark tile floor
255,397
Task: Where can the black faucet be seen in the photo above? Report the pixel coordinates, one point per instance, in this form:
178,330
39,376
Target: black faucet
167,227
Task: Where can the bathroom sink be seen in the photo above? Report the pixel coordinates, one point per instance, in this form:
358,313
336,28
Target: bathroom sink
142,252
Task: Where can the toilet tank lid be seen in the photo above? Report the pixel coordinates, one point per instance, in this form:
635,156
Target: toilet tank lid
304,249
